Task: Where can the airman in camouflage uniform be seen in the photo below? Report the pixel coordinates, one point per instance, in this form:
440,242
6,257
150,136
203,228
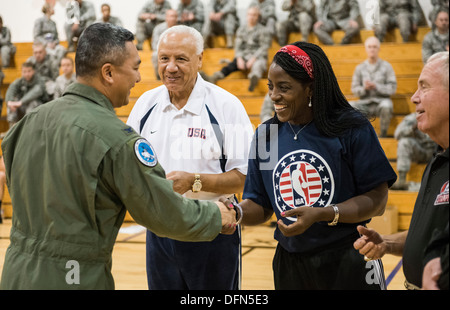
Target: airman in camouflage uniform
268,17
374,82
438,5
80,15
301,18
251,51
404,14
337,14
6,47
191,13
152,14
24,94
221,18
46,66
437,39
413,146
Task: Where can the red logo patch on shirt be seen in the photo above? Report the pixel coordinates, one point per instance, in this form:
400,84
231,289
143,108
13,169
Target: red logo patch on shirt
442,198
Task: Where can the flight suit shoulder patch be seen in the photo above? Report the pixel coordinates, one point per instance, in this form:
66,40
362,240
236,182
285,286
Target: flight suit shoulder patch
145,153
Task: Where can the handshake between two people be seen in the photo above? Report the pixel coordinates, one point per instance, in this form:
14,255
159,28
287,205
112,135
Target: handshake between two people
229,213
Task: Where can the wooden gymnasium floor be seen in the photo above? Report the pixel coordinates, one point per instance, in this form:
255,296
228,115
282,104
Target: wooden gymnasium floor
257,252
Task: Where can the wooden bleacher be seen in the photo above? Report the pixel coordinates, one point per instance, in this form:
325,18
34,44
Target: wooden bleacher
404,57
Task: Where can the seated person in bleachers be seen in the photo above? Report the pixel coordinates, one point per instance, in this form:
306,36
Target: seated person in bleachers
67,77
413,146
221,18
171,20
268,17
405,15
45,66
24,94
301,19
80,15
337,14
152,14
438,5
374,82
45,31
107,18
191,13
251,51
7,49
267,109
437,39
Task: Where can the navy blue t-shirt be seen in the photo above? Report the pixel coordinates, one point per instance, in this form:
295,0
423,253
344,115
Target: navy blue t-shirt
315,171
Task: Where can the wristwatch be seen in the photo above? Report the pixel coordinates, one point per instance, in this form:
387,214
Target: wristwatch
197,186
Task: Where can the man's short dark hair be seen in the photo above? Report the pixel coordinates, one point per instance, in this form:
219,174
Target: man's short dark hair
99,44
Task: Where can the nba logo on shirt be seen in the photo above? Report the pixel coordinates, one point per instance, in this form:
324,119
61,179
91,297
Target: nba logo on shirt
302,178
442,198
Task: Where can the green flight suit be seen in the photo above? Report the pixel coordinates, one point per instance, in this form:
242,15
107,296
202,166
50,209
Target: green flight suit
72,172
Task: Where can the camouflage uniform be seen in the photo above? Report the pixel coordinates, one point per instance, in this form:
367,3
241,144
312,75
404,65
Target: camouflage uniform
250,42
438,5
144,28
413,146
433,42
32,94
85,15
301,18
6,47
336,14
378,101
62,83
45,31
227,25
268,14
401,13
198,9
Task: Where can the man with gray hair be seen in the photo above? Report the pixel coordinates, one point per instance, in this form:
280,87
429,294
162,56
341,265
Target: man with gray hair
88,169
202,136
425,245
374,82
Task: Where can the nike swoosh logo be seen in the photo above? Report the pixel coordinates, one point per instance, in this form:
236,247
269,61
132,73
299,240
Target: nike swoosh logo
152,132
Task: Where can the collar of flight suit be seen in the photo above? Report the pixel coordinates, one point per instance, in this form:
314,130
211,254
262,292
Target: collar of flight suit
89,93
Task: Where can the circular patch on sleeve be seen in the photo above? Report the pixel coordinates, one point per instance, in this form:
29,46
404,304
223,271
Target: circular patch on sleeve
145,153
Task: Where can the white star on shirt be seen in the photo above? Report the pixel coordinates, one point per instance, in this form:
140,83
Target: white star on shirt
326,192
321,167
302,157
283,164
312,159
325,180
292,158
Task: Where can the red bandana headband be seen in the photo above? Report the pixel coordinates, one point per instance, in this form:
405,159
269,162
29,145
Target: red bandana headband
300,57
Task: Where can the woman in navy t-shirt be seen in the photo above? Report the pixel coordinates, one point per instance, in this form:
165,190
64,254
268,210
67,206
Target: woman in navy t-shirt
319,166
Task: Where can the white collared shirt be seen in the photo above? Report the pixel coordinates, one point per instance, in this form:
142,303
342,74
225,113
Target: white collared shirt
186,140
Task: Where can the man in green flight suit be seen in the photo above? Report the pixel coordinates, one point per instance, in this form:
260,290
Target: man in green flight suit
73,169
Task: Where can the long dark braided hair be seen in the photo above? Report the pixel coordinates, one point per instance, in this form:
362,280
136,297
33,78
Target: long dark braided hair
333,115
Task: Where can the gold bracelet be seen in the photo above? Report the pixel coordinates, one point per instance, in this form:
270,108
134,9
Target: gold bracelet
336,216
